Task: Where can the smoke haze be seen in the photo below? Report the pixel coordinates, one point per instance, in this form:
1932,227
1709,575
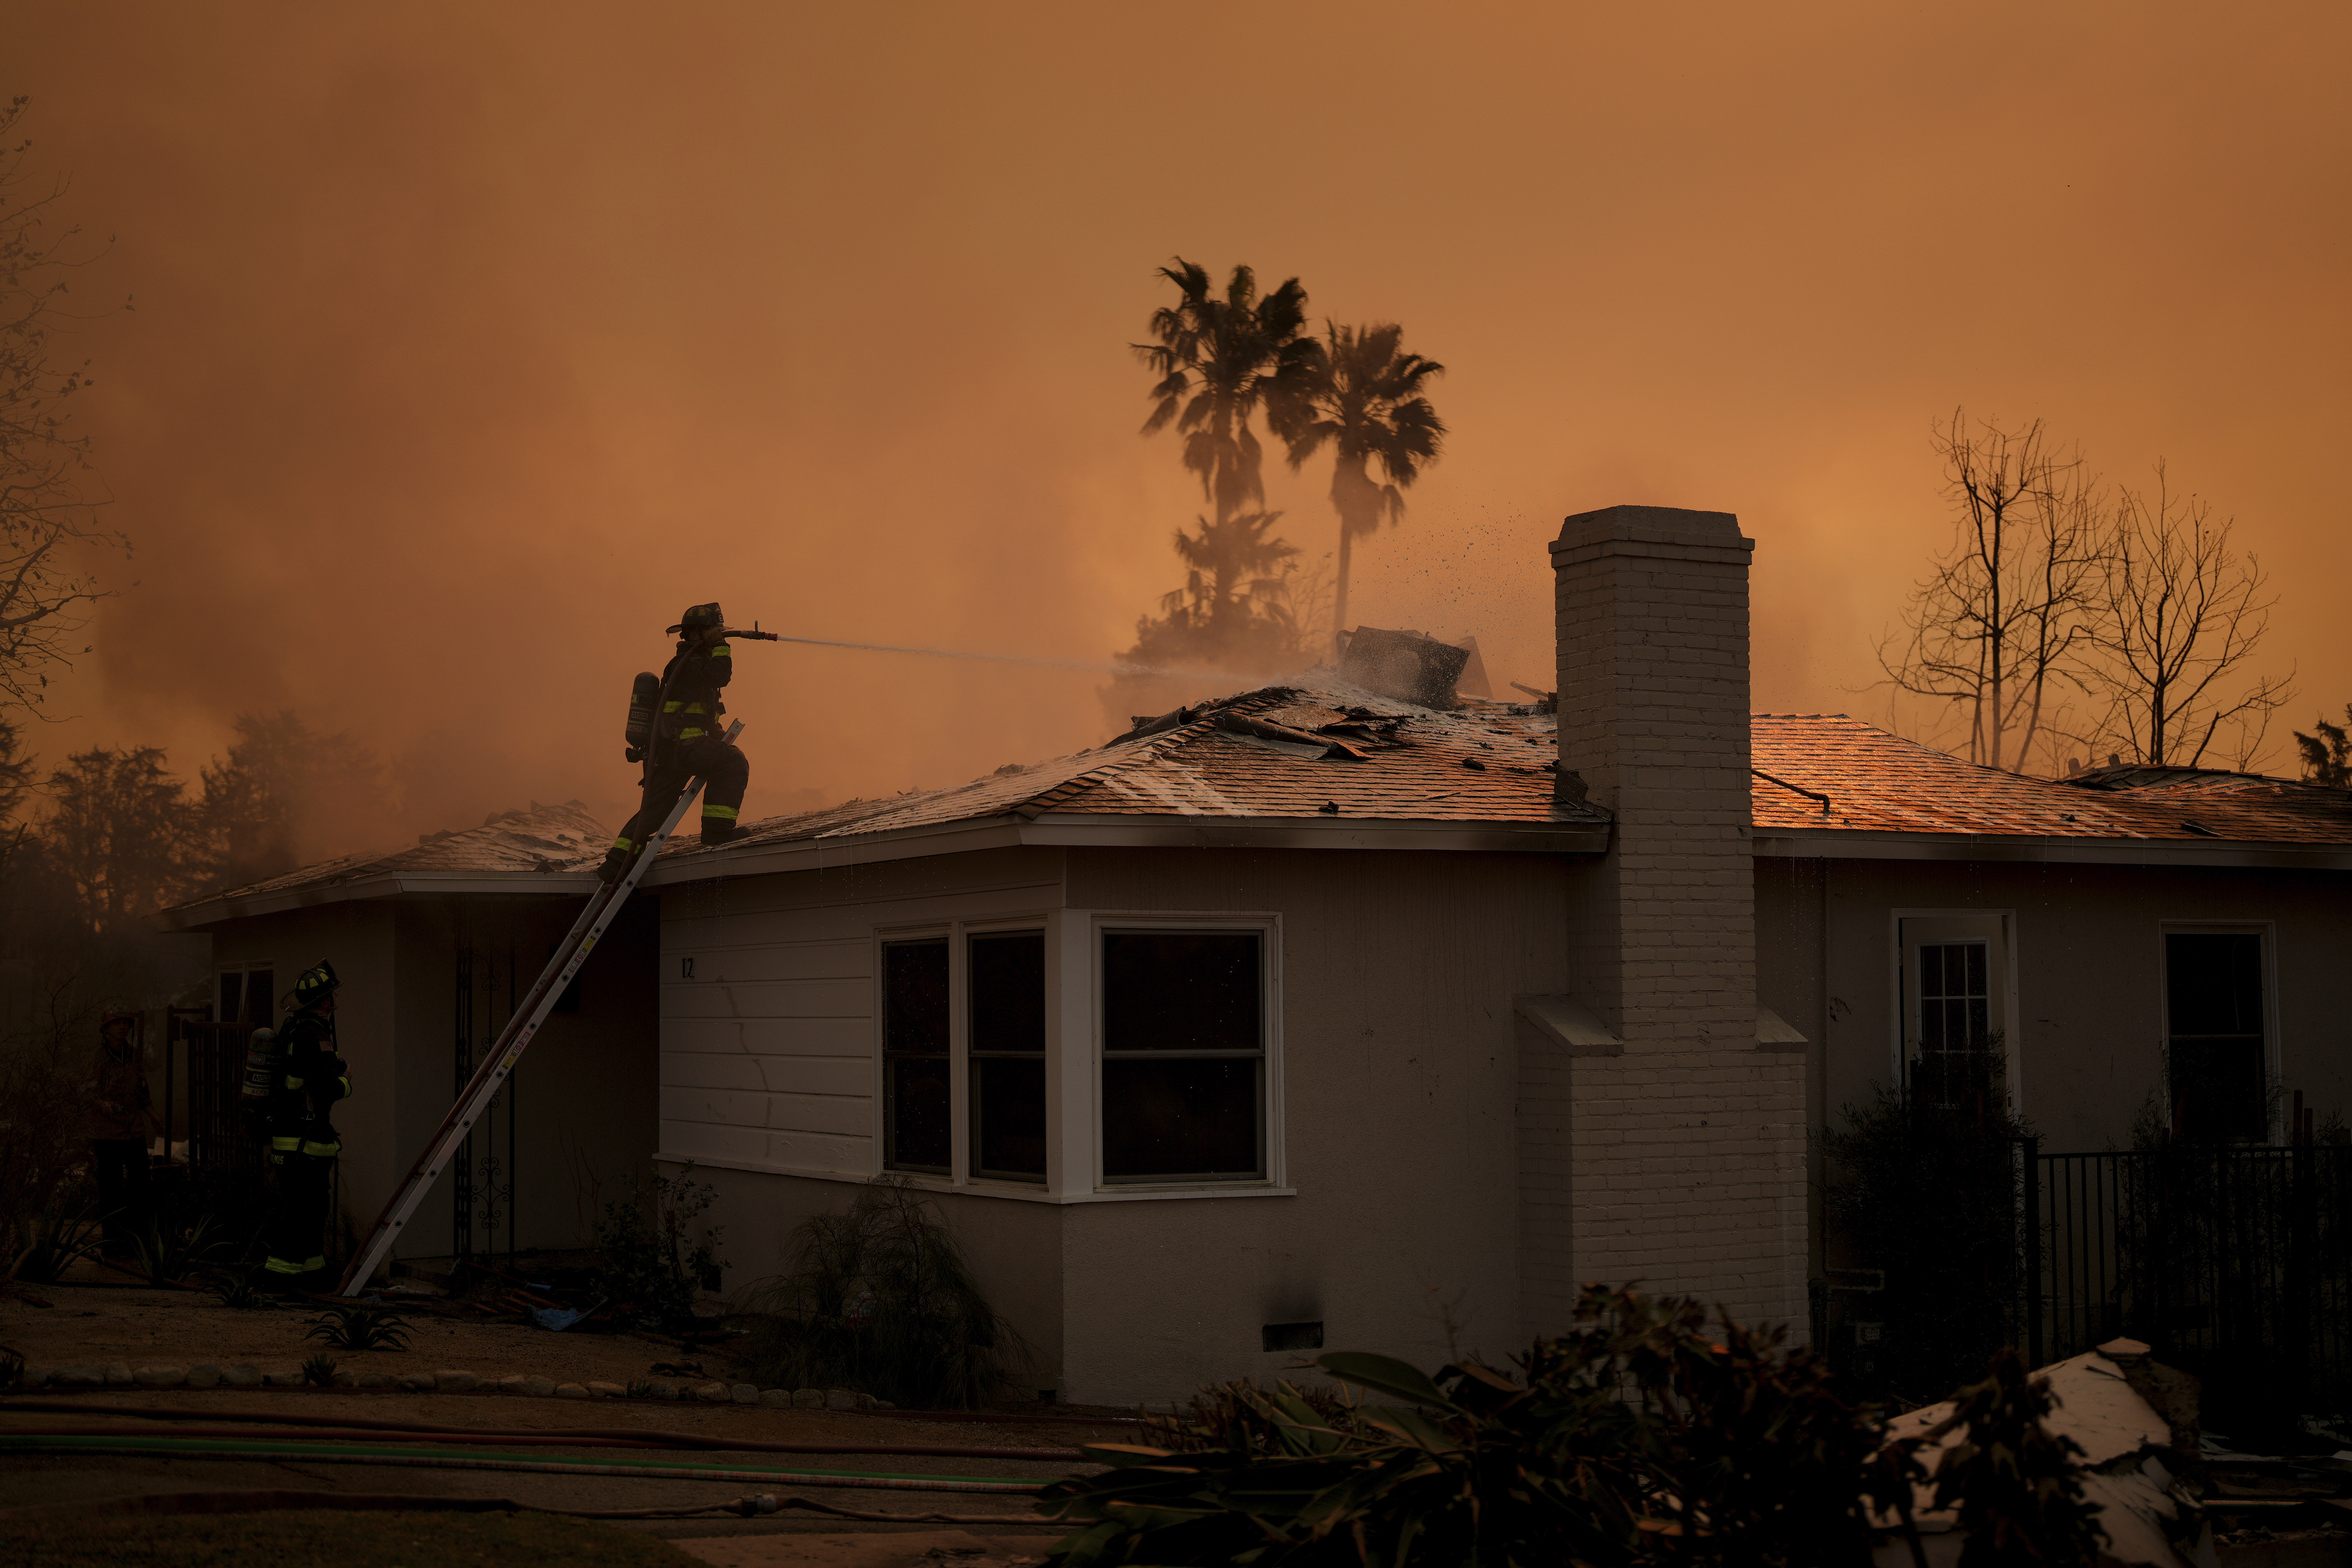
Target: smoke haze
472,344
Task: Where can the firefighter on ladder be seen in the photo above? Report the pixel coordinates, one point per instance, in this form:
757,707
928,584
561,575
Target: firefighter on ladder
686,743
311,1077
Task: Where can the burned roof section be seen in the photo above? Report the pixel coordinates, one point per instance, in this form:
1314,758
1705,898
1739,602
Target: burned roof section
1278,752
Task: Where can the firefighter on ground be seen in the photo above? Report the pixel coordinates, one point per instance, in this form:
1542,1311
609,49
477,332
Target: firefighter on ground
686,742
311,1077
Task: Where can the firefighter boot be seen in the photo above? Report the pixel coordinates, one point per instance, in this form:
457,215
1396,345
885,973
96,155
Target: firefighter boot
718,830
616,861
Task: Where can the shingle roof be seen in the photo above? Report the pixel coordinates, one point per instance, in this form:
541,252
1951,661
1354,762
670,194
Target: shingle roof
1817,772
1283,751
1337,754
541,838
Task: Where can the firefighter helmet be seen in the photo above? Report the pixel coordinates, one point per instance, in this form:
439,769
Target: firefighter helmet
699,617
314,984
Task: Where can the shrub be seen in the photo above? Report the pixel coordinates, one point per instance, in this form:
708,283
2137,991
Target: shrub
1638,1438
878,1297
650,1259
1243,1419
318,1370
1934,1199
358,1329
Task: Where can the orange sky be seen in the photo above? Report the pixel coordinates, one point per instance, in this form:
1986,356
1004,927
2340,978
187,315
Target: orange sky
473,342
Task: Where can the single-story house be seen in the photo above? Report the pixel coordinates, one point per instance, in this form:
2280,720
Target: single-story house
1318,1015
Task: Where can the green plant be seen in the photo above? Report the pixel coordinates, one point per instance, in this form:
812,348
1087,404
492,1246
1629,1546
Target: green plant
236,1291
318,1370
1639,1437
1932,1198
358,1329
170,1249
641,1388
878,1297
651,1257
53,1241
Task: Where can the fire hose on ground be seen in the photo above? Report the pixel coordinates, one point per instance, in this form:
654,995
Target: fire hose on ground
311,1451
750,1505
566,1436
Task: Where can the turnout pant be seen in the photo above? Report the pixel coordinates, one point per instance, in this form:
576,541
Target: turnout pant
121,1166
724,772
298,1225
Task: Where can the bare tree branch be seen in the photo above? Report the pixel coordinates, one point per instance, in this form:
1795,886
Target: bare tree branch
2177,619
48,497
1991,632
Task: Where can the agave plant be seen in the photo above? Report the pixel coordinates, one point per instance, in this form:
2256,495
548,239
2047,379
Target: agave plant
236,1291
170,1250
359,1328
56,1241
318,1370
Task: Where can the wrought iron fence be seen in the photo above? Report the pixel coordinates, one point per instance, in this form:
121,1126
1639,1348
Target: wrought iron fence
2227,1259
215,1054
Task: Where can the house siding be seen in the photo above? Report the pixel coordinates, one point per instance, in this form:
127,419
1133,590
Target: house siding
2087,1041
768,1053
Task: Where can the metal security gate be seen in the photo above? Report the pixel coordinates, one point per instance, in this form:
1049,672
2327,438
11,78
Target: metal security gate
483,1177
2226,1259
215,1054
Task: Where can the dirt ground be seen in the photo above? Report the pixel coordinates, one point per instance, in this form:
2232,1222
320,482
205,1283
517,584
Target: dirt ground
102,1323
97,1315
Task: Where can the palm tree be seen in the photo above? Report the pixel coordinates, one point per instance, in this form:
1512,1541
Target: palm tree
1235,609
1362,394
1219,360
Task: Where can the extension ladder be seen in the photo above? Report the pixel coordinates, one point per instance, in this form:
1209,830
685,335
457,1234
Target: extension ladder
604,904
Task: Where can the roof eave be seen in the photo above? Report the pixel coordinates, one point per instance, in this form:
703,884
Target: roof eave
215,912
1847,844
1102,830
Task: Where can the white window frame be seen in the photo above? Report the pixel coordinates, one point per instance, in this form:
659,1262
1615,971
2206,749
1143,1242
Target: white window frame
957,933
1073,1053
2274,1057
247,966
1268,929
2000,930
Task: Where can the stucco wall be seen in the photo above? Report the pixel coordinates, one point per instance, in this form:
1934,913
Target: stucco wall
2089,975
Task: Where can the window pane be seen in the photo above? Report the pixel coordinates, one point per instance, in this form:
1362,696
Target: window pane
1179,1117
2214,1001
917,1108
2217,1088
1181,991
2213,982
915,996
1008,991
915,1129
1008,1105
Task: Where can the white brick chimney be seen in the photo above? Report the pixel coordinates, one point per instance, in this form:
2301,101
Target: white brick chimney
1658,1142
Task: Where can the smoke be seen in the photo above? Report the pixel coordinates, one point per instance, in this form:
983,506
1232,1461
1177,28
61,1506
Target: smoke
473,343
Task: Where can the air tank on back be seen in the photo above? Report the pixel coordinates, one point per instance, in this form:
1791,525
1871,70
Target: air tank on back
645,696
